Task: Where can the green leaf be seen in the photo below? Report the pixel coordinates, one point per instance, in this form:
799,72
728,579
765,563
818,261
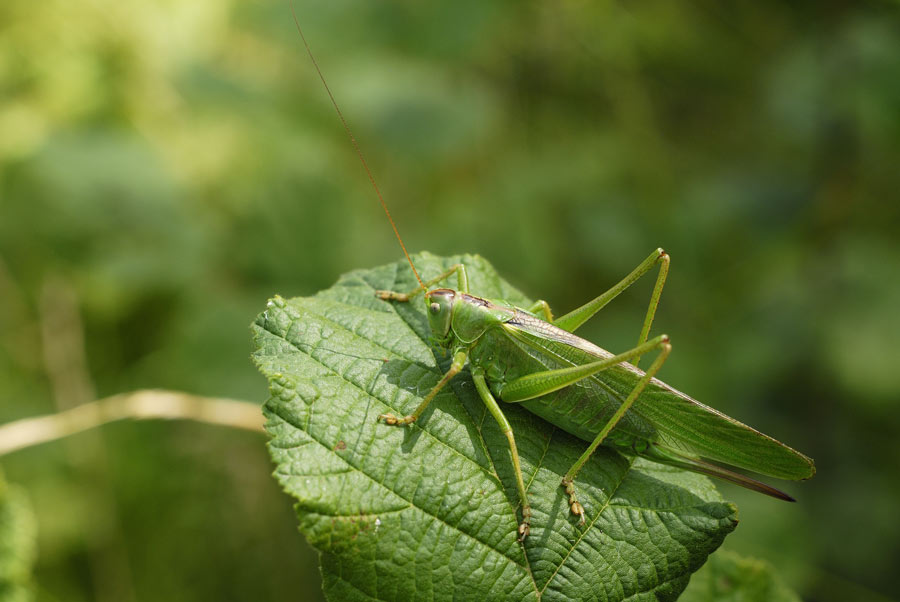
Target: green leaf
18,534
429,512
728,577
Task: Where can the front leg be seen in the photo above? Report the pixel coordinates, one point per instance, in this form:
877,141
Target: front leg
462,282
459,360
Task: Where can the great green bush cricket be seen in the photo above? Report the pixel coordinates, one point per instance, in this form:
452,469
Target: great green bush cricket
525,355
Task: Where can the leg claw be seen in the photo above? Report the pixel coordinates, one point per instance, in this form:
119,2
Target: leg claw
578,510
524,530
525,525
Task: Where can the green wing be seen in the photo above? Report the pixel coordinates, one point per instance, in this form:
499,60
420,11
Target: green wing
689,428
684,430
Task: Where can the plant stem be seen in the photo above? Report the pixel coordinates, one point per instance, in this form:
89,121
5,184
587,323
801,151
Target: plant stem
138,405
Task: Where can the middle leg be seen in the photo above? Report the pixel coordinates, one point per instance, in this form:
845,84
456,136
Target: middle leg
497,413
462,280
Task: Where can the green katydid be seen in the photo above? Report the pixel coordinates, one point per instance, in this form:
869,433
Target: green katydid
525,355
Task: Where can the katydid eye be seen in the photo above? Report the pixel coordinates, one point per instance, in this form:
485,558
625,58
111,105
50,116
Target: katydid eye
435,307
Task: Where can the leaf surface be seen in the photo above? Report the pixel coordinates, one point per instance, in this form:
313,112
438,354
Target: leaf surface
429,512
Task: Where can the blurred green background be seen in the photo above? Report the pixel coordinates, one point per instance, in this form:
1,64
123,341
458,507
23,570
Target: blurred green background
166,166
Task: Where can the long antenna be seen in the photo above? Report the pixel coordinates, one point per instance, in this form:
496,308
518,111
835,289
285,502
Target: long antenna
355,145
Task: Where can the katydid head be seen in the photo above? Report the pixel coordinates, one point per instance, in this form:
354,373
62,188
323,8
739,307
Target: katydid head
439,303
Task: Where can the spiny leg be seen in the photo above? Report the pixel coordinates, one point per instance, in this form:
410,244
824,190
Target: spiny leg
462,285
540,383
497,413
568,480
459,360
575,318
664,262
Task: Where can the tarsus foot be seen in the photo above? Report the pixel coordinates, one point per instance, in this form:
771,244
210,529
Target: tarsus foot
393,420
574,505
525,525
392,296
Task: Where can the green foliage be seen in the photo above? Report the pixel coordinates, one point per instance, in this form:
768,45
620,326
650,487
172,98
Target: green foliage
728,577
17,543
429,512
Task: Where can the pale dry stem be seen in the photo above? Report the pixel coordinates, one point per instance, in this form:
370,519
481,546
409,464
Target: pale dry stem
138,405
